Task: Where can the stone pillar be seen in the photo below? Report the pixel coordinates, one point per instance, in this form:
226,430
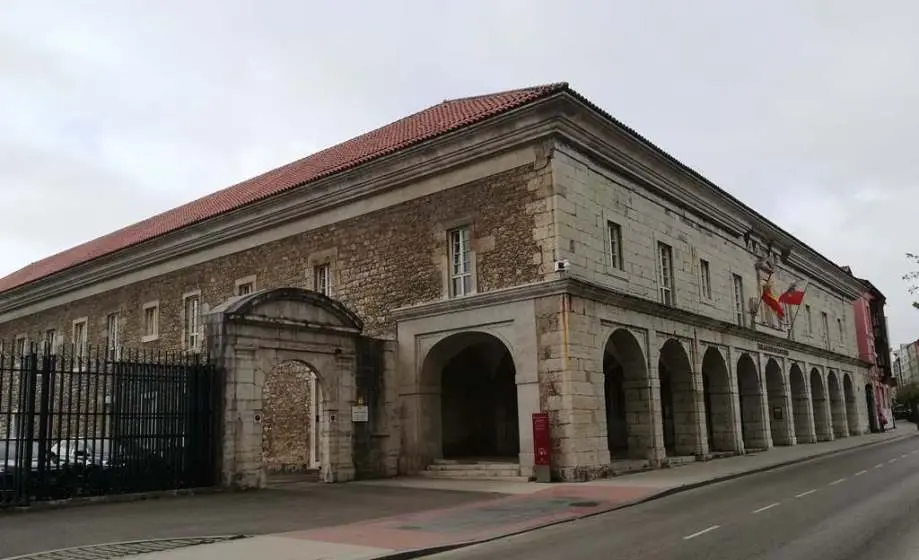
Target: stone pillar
789,415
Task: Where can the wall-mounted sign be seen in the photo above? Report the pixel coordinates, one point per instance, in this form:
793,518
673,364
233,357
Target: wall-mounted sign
771,349
360,413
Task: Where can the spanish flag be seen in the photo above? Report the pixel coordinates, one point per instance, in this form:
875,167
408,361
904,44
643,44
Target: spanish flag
770,300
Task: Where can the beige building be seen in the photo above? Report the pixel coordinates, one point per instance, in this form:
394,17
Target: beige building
457,271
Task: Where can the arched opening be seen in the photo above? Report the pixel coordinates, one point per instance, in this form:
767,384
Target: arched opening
837,406
800,404
752,415
779,423
291,402
678,401
873,422
474,374
851,404
719,412
626,391
820,407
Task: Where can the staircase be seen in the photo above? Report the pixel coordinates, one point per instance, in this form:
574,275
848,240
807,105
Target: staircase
474,469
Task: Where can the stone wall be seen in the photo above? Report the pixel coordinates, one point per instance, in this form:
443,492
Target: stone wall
384,259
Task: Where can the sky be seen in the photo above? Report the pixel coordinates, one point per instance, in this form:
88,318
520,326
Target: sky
115,110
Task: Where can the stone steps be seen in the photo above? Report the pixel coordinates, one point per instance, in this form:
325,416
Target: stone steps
474,470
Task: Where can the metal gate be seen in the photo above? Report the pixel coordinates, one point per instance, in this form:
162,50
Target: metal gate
90,422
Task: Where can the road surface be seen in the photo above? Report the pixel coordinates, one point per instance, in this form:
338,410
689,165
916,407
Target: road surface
855,505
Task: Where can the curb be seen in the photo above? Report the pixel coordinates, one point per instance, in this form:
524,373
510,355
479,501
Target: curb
107,499
90,548
422,552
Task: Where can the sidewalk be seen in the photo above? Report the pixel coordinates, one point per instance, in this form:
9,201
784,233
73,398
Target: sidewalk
525,507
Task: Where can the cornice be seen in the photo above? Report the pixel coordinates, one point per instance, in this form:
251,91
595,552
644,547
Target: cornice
594,292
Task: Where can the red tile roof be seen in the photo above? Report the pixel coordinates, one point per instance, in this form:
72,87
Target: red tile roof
425,125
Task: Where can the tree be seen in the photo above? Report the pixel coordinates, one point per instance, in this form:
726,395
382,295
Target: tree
913,277
908,394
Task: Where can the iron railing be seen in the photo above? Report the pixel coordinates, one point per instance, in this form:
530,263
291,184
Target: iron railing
85,421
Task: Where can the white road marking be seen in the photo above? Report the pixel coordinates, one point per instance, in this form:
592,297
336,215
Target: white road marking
859,473
702,532
802,494
904,456
894,460
879,465
764,508
835,482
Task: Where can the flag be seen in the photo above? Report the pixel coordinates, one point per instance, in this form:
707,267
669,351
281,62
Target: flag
770,300
793,295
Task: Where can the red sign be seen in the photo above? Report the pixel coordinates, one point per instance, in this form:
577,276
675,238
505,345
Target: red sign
541,437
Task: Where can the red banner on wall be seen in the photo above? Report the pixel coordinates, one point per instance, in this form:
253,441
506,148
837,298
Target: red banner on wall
541,438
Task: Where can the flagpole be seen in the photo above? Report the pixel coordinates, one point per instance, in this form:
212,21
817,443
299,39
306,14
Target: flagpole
794,317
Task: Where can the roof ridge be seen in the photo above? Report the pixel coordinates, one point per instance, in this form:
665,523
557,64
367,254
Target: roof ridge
553,85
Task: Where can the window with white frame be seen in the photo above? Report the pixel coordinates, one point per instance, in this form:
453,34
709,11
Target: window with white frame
79,338
50,340
739,301
460,262
245,286
21,346
614,231
705,279
665,272
112,336
192,322
322,279
151,322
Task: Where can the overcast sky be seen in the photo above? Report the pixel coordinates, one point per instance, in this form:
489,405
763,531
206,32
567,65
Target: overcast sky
111,111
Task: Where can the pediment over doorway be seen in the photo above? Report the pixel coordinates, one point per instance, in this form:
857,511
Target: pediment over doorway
292,306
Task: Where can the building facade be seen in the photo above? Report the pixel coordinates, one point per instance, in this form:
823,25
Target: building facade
505,254
906,363
874,348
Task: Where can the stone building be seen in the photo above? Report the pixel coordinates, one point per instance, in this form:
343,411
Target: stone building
490,257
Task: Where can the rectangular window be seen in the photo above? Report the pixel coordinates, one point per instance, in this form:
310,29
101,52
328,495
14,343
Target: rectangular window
21,346
192,324
50,340
615,245
705,279
151,322
244,289
79,338
739,301
112,337
826,326
842,332
665,272
322,279
460,262
810,320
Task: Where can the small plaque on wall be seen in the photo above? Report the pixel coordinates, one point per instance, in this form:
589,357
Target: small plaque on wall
777,413
360,413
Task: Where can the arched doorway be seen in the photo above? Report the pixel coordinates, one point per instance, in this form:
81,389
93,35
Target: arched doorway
678,401
851,404
719,410
474,374
752,414
779,422
873,422
820,407
626,391
837,406
800,404
290,434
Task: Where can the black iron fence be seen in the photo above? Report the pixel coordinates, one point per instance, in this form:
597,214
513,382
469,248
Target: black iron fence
83,422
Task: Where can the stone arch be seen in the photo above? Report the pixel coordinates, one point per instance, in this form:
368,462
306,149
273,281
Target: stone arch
801,406
820,406
837,406
473,414
290,413
679,412
752,409
780,424
250,336
626,388
848,391
719,402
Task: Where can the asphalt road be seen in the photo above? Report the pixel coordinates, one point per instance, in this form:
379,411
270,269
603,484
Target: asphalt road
860,504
